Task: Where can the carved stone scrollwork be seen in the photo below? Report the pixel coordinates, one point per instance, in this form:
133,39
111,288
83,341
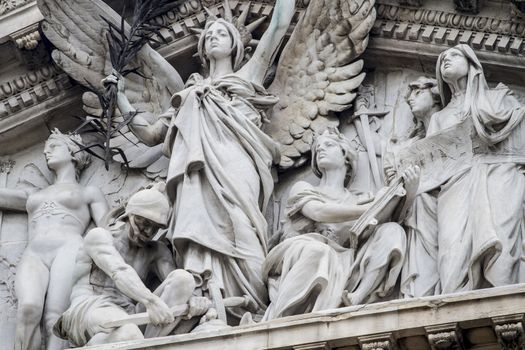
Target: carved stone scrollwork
445,337
509,330
470,6
383,341
312,346
28,41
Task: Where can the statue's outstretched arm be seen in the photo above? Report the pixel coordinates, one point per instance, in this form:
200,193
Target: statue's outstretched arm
150,134
256,68
13,199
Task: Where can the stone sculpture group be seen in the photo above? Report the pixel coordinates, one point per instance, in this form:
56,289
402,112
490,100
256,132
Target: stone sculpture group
426,232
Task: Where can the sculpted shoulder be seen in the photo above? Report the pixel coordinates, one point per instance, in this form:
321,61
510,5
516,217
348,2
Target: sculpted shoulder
299,187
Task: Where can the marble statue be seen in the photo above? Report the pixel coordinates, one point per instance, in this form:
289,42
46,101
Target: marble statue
420,276
219,175
58,217
318,265
223,132
110,273
480,209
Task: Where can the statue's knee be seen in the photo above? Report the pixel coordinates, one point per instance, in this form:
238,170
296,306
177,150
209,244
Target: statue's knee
127,332
392,232
29,313
182,281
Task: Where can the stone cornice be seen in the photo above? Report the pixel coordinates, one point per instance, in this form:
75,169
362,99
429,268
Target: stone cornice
416,36
449,20
10,5
31,89
19,20
376,326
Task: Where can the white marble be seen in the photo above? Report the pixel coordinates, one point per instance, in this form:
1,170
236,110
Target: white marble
415,187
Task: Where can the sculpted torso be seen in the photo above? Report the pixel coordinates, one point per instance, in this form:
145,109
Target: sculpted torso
57,215
92,280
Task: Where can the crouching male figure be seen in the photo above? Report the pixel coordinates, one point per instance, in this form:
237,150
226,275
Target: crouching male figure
111,271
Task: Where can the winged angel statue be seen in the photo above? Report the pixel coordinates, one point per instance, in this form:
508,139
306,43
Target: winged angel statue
215,129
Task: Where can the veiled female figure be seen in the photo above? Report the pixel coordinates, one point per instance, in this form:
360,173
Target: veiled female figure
480,210
58,217
319,265
219,176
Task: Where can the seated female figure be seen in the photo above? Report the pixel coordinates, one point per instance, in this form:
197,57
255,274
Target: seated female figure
319,265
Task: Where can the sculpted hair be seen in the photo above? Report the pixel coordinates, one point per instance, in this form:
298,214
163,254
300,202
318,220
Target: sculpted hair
73,142
348,150
237,54
423,83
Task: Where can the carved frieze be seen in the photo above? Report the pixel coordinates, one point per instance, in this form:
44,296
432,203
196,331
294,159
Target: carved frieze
36,90
449,28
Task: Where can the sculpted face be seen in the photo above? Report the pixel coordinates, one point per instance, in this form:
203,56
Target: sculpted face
142,230
329,154
420,101
454,65
218,42
56,153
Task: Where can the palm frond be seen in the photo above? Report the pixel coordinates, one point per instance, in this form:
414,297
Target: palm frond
124,43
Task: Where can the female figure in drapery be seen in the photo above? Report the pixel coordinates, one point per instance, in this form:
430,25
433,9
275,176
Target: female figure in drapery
480,210
58,217
419,276
317,267
219,175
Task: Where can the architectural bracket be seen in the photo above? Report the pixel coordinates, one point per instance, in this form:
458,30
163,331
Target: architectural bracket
510,332
383,341
445,337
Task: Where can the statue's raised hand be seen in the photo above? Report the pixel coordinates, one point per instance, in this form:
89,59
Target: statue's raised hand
411,179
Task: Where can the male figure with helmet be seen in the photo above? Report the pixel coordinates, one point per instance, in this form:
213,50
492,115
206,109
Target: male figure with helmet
111,272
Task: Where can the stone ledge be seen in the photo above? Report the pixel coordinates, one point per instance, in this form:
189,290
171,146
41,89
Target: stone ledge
345,328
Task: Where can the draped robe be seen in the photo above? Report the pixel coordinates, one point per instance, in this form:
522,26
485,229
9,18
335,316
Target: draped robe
220,181
480,210
310,270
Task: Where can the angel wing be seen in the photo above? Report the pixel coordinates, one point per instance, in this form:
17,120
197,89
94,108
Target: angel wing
317,73
78,31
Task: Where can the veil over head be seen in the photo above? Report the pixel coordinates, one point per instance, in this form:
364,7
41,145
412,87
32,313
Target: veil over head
494,112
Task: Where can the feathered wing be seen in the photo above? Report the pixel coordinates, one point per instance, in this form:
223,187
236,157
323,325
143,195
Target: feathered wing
318,73
78,31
